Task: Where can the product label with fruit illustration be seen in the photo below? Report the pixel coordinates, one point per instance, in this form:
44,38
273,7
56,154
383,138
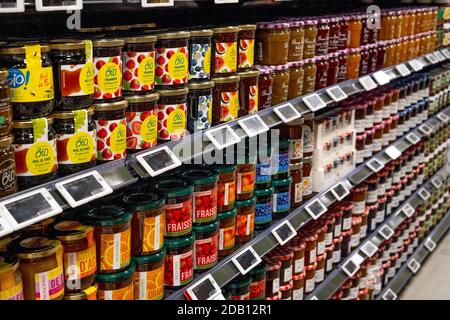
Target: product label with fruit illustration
246,53
245,182
205,252
50,284
280,162
138,71
307,186
115,250
200,63
229,106
226,194
111,139
117,294
227,238
245,224
171,66
171,121
204,113
253,99
142,129
178,218
264,171
297,148
108,77
281,201
149,285
226,57
205,206
178,269
153,233
263,212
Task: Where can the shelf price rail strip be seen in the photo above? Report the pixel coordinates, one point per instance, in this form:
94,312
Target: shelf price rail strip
414,262
338,277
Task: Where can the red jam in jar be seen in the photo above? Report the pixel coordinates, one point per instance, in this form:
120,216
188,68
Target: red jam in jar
172,110
224,51
179,262
322,66
248,92
206,246
225,99
265,83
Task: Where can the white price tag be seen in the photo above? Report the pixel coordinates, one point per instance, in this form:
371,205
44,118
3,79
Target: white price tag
204,289
352,266
287,112
413,265
375,165
393,152
222,137
336,93
403,70
157,3
386,232
12,6
316,209
389,295
431,58
340,191
225,1
439,56
416,65
246,260
436,182
413,138
426,129
253,125
314,102
446,53
443,117
369,249
408,210
430,244
381,78
367,83
284,232
424,194
157,161
47,5
5,227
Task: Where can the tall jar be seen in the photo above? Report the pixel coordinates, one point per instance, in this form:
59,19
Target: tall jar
245,180
309,48
333,43
296,76
245,220
309,80
322,66
296,41
227,232
224,54
280,88
226,187
200,106
8,184
343,62
344,32
172,112
248,92
200,55
246,49
355,29
333,69
272,43
323,37
225,99
265,84
353,64
296,171
179,262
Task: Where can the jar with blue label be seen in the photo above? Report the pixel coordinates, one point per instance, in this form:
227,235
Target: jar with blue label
264,167
200,106
281,159
281,197
200,55
263,208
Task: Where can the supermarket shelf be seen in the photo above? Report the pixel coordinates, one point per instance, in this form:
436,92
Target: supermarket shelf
338,277
404,274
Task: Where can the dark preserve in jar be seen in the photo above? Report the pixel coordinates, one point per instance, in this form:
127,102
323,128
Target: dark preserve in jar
225,99
206,245
246,48
200,105
179,262
75,140
8,184
200,55
224,54
248,92
265,83
36,98
73,73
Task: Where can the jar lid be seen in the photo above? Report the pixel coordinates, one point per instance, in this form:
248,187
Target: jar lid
179,242
8,262
150,258
361,136
201,33
297,245
287,286
227,214
108,215
247,27
339,239
275,298
212,227
143,201
295,64
171,93
110,106
117,276
6,141
66,44
249,74
281,182
296,23
283,255
173,188
34,247
281,67
229,79
330,248
308,237
69,230
311,267
263,192
360,188
356,220
71,114
239,282
372,179
300,276
173,35
272,264
18,124
310,22
201,85
273,25
230,168
307,160
200,175
143,98
320,257
101,43
246,203
309,61
75,295
296,166
19,48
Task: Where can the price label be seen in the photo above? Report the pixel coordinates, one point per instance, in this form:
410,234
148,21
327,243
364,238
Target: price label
426,129
246,260
403,70
431,58
408,210
336,93
424,194
314,102
381,78
314,298
375,165
443,117
352,266
446,53
157,161
218,296
416,65
29,208
12,6
284,232
386,232
430,244
389,295
340,191
46,5
204,289
287,112
83,188
439,56
367,83
369,249
413,265
315,209
156,3
413,138
253,125
393,152
436,182
5,227
222,137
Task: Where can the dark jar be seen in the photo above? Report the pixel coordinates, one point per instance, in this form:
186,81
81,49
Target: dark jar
172,114
248,92
263,208
258,284
239,288
281,160
200,106
224,53
179,262
200,55
226,187
206,246
265,83
225,99
281,197
8,184
296,171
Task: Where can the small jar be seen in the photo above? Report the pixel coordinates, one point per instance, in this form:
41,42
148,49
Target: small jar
333,69
309,79
248,92
360,143
364,63
200,55
179,262
299,286
296,76
311,31
307,190
245,180
285,256
337,242
355,29
227,232
117,286
11,278
346,243
372,189
323,37
239,288
246,49
310,279
265,83
8,184
272,43
296,172
356,231
225,100
308,135
245,220
378,138
311,248
343,32
263,165
272,277
329,259
263,208
206,245
149,276
224,53
333,43
286,291
347,213
342,68
281,197
296,41
298,247
373,58
358,198
258,283
321,72
320,269
280,87
353,64
226,187
280,159
172,113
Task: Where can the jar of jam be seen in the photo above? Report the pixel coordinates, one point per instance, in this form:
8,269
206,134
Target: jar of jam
296,172
310,280
272,43
147,224
323,37
358,198
179,261
263,208
364,63
178,207
224,53
149,276
200,55
333,69
333,43
355,29
342,67
226,187
110,121
206,246
258,284
117,286
35,152
337,242
227,232
281,197
308,135
264,166
381,54
281,159
172,114
246,49
73,73
329,259
296,41
248,92
372,189
272,276
108,70
321,72
11,285
320,270
8,184
265,83
35,98
343,32
245,180
356,231
353,63
360,142
239,288
378,137
296,76
373,57
345,218
307,189
172,62
309,80
225,99
311,31
245,220
285,256
280,87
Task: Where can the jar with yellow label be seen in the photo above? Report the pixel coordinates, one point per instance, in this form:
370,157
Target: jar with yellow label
225,99
79,255
246,49
149,276
142,122
31,79
11,286
224,53
35,152
172,114
111,125
118,285
41,265
200,105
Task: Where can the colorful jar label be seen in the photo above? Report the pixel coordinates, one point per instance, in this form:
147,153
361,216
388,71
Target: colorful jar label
297,149
178,218
298,192
205,206
200,62
226,194
204,114
115,250
142,129
245,182
153,237
307,186
35,159
138,71
280,162
13,293
227,238
179,269
171,121
245,224
226,57
8,180
206,252
77,79
229,106
264,172
125,293
281,202
111,139
253,99
246,53
49,285
149,285
171,66
258,290
80,265
263,213
108,77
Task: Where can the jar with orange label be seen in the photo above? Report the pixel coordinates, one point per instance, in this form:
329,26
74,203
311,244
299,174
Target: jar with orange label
248,92
91,292
272,43
296,41
225,99
41,265
226,187
11,286
245,220
179,262
172,114
79,256
245,179
118,285
112,232
147,224
224,53
280,87
353,63
227,232
296,75
149,276
309,79
246,48
355,29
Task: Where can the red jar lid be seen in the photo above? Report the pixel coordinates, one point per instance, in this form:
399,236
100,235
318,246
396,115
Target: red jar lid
361,136
373,207
287,287
281,67
387,264
347,233
360,188
379,126
355,50
329,248
320,257
338,240
370,132
284,255
309,237
382,200
382,173
347,284
390,193
364,292
273,264
372,179
356,221
277,297
297,245
338,214
311,267
347,206
295,64
296,23
299,276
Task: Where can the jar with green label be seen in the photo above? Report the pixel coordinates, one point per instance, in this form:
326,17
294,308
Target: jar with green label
149,276
227,232
263,208
179,262
206,246
116,286
200,106
281,198
172,114
245,220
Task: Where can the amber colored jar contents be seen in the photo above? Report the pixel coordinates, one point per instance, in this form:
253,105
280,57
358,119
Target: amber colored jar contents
280,88
227,232
296,76
265,83
342,68
390,53
272,43
333,69
296,40
309,80
309,49
245,220
323,37
355,28
353,64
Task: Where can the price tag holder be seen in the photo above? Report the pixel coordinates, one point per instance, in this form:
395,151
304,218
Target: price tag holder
29,208
158,161
352,266
443,117
225,1
316,209
5,227
156,3
393,152
446,53
12,6
431,58
287,112
413,138
381,78
430,244
222,137
218,296
336,93
424,194
416,65
369,249
375,165
436,182
284,232
48,5
408,210
83,188
389,295
403,70
340,191
253,125
413,265
314,298
204,289
386,232
314,102
439,56
426,129
367,83
246,260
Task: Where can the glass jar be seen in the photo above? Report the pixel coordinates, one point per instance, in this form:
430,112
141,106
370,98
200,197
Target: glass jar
272,277
108,70
378,137
364,63
333,43
227,232
149,276
296,76
8,184
342,68
172,113
225,99
11,285
285,256
245,220
281,159
239,288
298,247
310,241
200,55
296,40
346,217
226,187
333,69
73,73
309,80
246,49
358,198
248,92
265,83
343,32
310,279
258,284
365,30
296,171
263,166
320,269
117,286
381,54
206,246
142,122
245,183
224,53
356,231
307,189
311,31
179,262
353,64
6,111
111,124
323,37
171,60
372,189
35,153
147,224
272,43
360,142
281,197
355,29
280,87
139,65
263,208
6,240
321,72
35,98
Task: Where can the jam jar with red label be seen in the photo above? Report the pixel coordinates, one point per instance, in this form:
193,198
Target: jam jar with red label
8,182
248,92
224,51
179,262
206,246
225,99
172,114
200,55
200,105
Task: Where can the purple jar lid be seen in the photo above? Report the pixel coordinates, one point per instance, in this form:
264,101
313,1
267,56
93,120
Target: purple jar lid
324,21
281,67
335,19
296,64
263,69
321,58
333,55
310,60
310,22
273,25
345,17
345,51
296,23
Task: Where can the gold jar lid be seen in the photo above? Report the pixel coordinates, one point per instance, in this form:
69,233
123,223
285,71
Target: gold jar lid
36,247
75,296
19,48
108,43
107,106
66,44
6,240
174,35
141,39
3,73
229,29
71,114
249,74
201,33
143,98
247,27
201,85
171,93
8,262
69,230
118,28
6,141
229,79
19,124
90,30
